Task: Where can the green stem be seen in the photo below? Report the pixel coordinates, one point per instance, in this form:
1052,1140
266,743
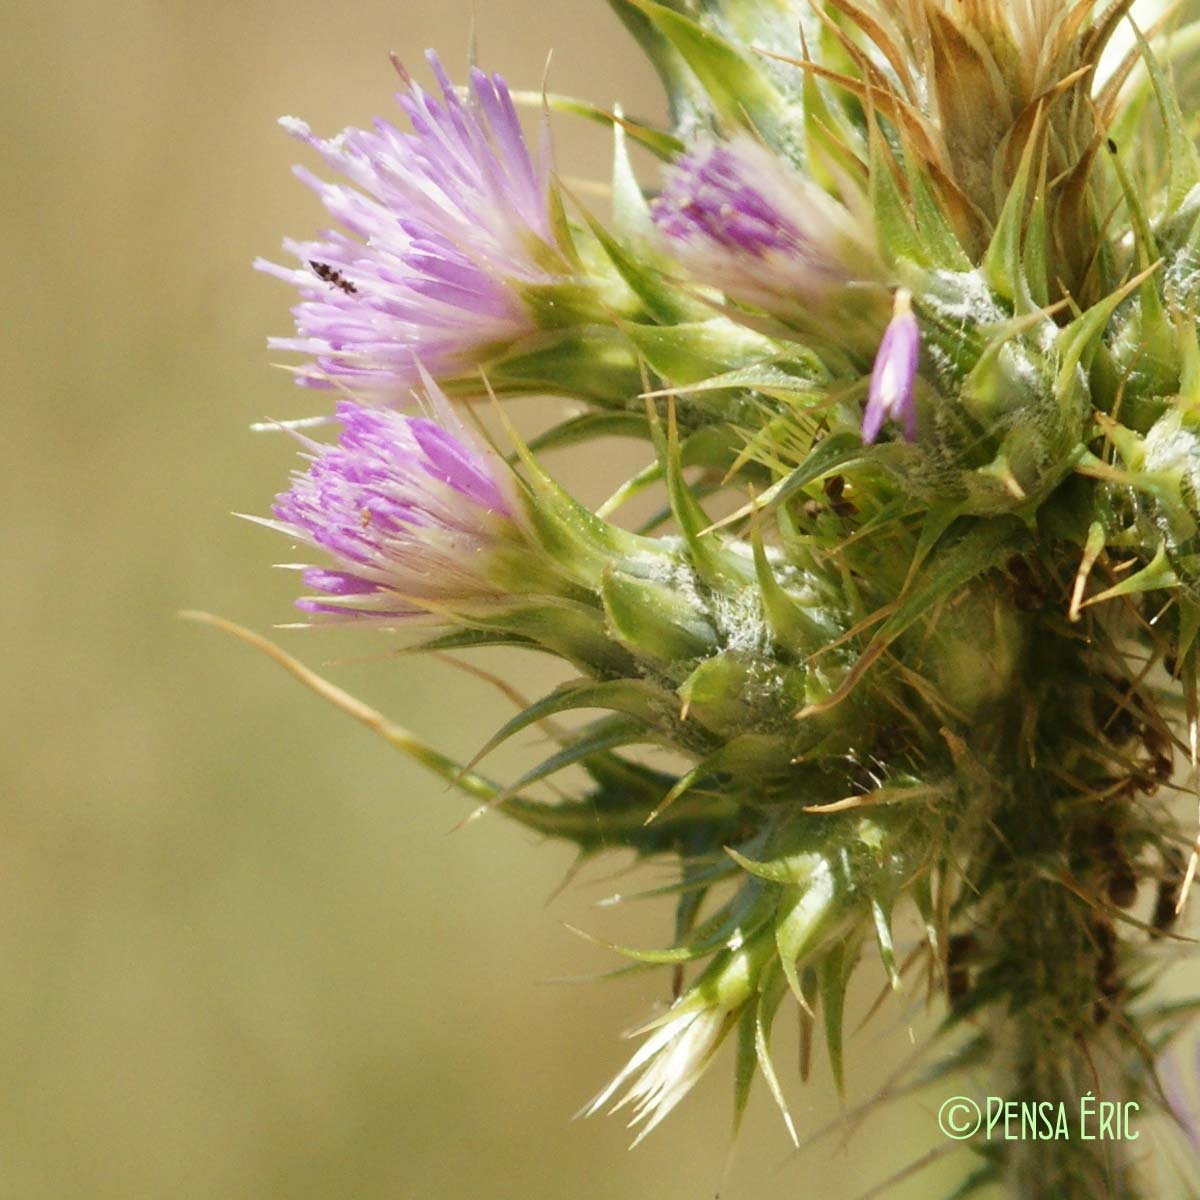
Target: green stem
1050,968
1056,1053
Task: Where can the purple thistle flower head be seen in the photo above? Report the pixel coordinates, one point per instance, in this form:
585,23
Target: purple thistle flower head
710,197
890,396
740,220
439,228
409,512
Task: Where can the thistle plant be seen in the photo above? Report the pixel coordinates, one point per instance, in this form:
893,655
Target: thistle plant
905,320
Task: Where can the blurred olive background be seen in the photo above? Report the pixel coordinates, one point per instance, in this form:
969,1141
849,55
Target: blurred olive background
239,955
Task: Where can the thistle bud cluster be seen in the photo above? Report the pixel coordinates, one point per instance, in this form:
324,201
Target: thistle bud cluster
906,303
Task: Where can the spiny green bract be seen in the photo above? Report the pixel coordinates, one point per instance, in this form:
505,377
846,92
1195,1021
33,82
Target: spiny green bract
953,673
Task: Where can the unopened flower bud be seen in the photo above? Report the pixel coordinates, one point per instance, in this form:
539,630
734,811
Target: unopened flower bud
890,397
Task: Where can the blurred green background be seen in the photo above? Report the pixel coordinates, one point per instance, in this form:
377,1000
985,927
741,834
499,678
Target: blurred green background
239,955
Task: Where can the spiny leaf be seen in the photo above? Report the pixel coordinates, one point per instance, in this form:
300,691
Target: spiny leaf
879,29
887,949
696,351
708,446
575,822
943,249
796,868
471,639
1156,574
830,139
1189,626
654,619
1035,263
804,918
411,745
790,624
836,452
581,541
699,875
712,564
740,92
609,733
937,520
746,1064
702,489
630,208
687,97
588,426
1002,264
1158,339
658,142
794,373
833,974
715,690
905,116
1182,160
1092,549
922,893
730,927
808,1008
631,696
748,751
894,229
984,545
1078,340
771,991
595,364
646,274
697,878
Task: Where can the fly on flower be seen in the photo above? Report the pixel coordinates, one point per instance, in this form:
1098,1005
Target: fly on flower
333,277
440,229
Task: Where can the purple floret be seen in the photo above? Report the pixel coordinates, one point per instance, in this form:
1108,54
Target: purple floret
708,196
407,510
890,396
740,219
439,227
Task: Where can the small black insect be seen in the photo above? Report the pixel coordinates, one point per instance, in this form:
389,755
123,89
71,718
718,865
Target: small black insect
334,276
